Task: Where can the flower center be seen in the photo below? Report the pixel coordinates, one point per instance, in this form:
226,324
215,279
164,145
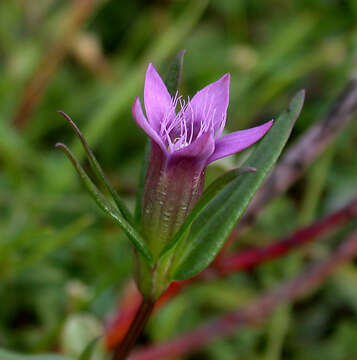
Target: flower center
182,124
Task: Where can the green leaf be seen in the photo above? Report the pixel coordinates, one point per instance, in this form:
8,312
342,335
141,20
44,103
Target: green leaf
88,351
9,355
206,197
108,208
174,74
99,171
210,230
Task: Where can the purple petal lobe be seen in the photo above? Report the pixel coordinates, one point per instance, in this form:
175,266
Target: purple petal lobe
157,99
202,148
143,123
211,103
238,141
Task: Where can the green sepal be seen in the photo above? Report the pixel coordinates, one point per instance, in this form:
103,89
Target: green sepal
213,226
216,186
99,171
109,209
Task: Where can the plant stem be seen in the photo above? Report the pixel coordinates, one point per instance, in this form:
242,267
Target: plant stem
137,326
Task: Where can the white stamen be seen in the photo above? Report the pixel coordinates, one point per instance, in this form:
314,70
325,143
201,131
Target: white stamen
178,127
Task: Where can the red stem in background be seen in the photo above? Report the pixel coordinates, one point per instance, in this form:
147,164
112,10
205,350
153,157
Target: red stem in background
254,257
255,312
241,261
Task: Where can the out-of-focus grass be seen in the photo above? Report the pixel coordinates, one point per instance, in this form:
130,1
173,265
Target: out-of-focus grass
60,256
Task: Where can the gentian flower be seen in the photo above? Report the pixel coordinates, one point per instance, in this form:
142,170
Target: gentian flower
186,136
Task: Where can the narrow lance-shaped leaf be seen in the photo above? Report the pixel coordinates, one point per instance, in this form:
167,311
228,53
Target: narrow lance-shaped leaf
206,197
212,227
107,207
172,83
99,171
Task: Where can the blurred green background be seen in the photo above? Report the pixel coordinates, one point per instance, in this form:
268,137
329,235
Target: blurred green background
63,264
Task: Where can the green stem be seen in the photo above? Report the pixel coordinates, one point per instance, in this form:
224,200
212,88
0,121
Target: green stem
137,326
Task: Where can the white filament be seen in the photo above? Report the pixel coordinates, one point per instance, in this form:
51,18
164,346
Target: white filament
182,125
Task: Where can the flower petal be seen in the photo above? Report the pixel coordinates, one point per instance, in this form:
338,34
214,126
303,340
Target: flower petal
157,99
144,124
201,148
238,141
211,103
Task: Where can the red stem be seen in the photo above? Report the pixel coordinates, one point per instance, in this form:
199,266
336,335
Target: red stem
137,326
253,257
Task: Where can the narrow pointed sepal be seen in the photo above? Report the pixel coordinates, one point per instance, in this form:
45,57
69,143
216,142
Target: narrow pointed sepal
108,208
99,171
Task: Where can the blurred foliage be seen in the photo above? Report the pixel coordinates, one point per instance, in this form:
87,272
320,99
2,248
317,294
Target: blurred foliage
63,263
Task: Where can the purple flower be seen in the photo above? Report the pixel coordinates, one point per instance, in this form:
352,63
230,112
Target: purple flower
195,129
186,137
